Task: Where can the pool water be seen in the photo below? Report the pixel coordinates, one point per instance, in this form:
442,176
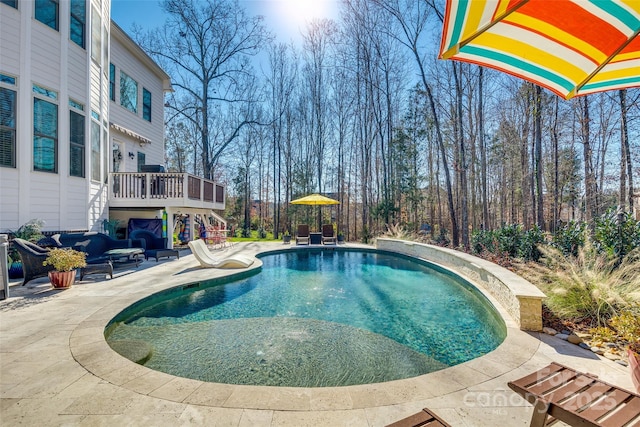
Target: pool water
315,318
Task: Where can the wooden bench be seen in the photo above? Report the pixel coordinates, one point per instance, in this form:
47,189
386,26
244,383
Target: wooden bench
559,393
424,418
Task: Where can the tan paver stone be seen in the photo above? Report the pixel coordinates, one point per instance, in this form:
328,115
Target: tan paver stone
384,415
210,394
131,420
6,403
125,373
18,371
441,381
207,416
494,416
91,405
148,382
369,395
176,390
249,397
49,382
34,411
253,418
331,398
352,418
291,399
85,384
145,405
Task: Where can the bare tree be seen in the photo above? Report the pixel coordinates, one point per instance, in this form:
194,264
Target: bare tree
206,47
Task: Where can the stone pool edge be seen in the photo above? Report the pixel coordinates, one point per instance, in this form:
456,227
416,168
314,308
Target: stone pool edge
521,299
90,349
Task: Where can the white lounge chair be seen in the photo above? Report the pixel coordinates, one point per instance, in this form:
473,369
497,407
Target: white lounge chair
200,250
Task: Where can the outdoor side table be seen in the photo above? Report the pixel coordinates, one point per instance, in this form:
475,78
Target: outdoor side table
128,253
315,238
157,253
102,267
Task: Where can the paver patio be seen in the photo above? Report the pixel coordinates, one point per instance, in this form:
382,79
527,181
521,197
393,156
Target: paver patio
56,369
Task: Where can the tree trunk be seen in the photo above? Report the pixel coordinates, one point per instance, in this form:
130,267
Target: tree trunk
538,162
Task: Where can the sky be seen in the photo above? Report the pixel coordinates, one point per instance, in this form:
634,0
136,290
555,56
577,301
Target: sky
285,18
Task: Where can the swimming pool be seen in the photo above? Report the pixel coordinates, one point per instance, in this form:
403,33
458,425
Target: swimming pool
313,318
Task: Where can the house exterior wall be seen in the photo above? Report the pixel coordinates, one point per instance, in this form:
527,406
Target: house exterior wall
126,57
32,53
35,54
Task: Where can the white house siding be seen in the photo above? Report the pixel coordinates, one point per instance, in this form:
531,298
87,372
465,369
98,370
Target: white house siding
130,59
37,54
10,39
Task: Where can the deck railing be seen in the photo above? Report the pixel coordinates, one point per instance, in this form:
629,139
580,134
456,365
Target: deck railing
132,186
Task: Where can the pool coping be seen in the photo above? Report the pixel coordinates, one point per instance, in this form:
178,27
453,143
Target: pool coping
90,349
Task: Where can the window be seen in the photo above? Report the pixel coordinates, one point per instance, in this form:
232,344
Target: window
146,104
112,82
105,139
45,136
76,144
11,3
95,151
96,36
7,127
46,11
78,22
105,49
7,79
141,160
128,92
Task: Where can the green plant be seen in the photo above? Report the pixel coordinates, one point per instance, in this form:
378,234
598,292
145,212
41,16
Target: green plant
65,259
627,324
483,241
602,333
31,231
396,231
590,287
616,233
529,242
570,237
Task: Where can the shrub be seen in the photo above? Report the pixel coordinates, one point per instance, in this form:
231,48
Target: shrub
508,241
589,287
65,259
616,234
483,241
30,231
627,324
570,237
529,243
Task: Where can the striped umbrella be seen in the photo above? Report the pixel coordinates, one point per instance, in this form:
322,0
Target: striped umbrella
570,47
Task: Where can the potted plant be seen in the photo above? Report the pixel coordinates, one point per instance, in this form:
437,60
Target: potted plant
65,262
286,237
340,237
633,351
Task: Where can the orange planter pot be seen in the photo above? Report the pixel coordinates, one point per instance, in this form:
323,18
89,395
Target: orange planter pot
634,365
62,279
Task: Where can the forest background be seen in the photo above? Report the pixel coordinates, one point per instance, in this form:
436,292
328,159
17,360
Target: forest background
363,112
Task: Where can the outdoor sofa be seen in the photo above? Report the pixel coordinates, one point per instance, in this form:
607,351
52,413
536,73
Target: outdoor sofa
94,244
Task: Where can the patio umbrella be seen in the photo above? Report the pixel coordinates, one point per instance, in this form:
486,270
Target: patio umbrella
315,199
569,47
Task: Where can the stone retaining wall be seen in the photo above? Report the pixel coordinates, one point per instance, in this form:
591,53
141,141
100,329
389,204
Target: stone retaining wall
521,299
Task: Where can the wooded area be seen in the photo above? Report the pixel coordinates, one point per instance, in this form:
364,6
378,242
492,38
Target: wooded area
364,112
